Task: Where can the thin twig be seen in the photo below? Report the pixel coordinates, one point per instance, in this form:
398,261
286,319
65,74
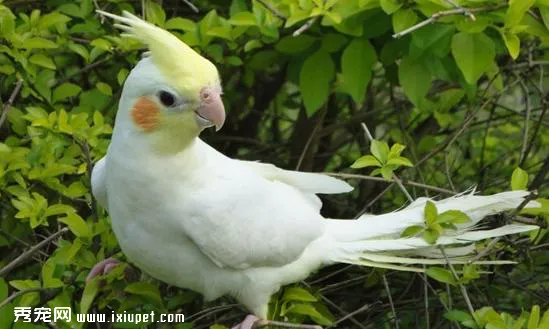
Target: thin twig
437,16
308,144
461,286
345,314
14,263
381,179
273,10
264,323
395,177
192,6
350,315
305,26
8,105
466,12
20,293
82,70
524,145
388,291
426,298
485,251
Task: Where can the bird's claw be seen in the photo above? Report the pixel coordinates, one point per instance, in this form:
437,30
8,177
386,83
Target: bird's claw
253,322
102,268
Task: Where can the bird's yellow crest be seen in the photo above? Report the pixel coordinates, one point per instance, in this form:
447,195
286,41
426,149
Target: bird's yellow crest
185,69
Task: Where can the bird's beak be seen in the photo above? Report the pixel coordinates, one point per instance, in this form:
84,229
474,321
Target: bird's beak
211,111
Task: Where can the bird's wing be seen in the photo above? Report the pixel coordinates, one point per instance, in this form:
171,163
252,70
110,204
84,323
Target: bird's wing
309,184
240,219
98,183
304,181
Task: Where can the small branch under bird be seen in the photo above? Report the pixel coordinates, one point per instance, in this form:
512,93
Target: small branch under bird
190,216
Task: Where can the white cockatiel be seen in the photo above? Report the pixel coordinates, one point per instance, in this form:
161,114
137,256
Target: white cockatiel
194,218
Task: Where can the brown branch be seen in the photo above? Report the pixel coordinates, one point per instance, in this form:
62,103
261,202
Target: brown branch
305,26
191,5
17,261
10,101
381,179
273,10
436,16
20,293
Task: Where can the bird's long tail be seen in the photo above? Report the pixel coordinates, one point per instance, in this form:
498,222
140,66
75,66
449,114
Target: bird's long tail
374,240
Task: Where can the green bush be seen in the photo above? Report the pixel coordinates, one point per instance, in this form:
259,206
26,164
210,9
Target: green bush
461,83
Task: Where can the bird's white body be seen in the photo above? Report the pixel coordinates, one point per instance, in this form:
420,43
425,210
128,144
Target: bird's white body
256,230
194,218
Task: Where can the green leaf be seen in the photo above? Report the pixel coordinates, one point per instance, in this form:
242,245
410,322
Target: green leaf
154,13
386,172
38,43
457,315
181,24
65,90
533,320
403,19
24,284
299,294
519,179
294,45
121,76
88,295
218,326
252,44
332,42
58,209
441,274
356,66
516,11
366,161
512,42
544,11
80,50
314,82
395,151
49,278
76,224
474,53
415,79
430,212
43,61
104,88
430,236
243,18
147,290
452,216
380,150
390,6
309,310
411,231
449,98
400,161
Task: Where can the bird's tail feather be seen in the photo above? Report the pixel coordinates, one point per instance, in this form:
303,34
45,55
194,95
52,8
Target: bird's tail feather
375,240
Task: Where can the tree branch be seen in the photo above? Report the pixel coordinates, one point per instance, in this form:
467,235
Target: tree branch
17,261
436,16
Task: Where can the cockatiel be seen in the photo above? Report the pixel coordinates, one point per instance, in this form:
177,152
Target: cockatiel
190,216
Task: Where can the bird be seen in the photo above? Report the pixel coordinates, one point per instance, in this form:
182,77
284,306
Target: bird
194,218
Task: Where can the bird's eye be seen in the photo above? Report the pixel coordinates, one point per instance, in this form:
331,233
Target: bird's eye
166,98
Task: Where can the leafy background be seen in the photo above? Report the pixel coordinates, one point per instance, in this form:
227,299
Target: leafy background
460,83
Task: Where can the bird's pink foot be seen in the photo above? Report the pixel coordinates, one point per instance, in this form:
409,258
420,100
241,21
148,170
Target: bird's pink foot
248,322
103,267
253,322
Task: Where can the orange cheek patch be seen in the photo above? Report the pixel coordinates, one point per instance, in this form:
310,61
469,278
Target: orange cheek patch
145,114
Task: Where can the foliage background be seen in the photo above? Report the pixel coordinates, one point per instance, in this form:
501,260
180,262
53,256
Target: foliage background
465,93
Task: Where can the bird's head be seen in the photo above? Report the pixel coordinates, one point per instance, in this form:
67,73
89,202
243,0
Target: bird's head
171,93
